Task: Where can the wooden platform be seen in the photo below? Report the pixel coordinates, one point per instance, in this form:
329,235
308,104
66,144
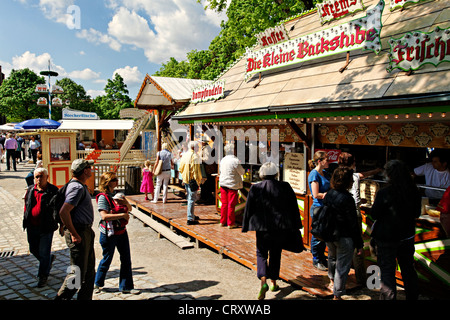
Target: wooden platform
296,269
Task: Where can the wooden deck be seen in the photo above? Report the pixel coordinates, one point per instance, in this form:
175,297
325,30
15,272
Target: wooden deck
296,269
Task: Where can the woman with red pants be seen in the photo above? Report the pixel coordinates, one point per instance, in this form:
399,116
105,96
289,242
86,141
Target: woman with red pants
230,182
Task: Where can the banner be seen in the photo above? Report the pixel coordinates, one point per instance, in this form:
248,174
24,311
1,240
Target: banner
362,33
335,9
416,49
210,91
68,114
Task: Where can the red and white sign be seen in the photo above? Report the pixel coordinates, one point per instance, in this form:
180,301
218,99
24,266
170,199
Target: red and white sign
335,9
42,101
272,36
362,33
333,154
41,88
57,102
212,91
415,49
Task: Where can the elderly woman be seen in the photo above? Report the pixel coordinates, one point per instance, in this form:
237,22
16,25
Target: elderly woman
113,234
163,178
272,211
230,181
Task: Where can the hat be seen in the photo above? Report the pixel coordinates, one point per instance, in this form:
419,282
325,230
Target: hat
81,164
119,196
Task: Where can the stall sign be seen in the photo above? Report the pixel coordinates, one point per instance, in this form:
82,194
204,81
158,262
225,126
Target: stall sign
42,101
333,154
402,3
211,91
335,9
362,33
41,88
272,36
68,114
294,171
416,49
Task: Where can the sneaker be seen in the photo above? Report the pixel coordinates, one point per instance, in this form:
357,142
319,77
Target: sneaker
131,291
97,289
192,222
320,266
262,292
232,226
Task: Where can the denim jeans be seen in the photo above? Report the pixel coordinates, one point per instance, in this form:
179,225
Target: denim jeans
40,246
191,197
388,254
340,256
109,244
317,246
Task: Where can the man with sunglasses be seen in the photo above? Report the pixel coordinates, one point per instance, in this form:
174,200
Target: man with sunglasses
39,222
77,214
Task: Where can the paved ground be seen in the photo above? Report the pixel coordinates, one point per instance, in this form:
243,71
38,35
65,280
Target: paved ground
161,270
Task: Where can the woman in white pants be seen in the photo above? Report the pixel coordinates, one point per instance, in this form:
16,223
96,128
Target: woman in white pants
163,178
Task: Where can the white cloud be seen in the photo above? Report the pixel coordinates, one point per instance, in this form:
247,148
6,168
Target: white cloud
97,37
56,9
86,74
95,93
130,75
37,63
163,28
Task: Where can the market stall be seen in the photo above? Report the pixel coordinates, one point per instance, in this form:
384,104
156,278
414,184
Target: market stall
374,82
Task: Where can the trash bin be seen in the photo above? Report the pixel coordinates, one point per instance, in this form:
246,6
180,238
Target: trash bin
133,180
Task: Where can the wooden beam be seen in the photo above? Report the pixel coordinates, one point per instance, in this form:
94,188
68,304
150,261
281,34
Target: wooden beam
306,141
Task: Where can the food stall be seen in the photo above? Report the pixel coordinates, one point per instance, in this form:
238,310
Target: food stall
374,82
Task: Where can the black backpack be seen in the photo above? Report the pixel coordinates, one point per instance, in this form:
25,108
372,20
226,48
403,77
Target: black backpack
323,225
58,199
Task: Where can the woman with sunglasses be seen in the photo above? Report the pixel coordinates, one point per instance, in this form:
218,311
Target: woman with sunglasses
113,234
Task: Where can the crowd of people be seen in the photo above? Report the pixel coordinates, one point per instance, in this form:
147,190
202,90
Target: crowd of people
16,148
271,211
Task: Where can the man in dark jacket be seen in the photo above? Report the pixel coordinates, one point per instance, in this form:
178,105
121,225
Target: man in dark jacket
39,222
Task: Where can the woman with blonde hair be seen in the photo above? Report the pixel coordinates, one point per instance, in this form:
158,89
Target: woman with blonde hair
319,183
113,234
163,178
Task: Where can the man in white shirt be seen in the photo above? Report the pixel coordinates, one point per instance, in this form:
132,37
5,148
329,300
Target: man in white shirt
436,174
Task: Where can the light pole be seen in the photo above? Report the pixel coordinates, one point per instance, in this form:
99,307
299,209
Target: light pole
50,74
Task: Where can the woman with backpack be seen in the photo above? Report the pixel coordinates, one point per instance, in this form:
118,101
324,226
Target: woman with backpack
113,234
347,235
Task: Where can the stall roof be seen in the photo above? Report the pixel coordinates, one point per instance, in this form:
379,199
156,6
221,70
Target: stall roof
164,91
96,124
319,85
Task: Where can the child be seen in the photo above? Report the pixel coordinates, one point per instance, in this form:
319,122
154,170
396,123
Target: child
147,179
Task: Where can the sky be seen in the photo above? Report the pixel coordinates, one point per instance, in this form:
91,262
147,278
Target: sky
91,40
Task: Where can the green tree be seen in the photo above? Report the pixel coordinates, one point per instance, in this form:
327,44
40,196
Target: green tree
18,100
75,94
174,69
116,99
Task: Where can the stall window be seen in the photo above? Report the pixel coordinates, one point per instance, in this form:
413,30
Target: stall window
59,149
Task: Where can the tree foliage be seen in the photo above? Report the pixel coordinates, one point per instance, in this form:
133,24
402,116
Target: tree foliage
18,100
245,19
75,94
116,99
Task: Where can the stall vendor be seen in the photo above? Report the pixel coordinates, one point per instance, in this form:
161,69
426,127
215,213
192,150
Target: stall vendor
436,174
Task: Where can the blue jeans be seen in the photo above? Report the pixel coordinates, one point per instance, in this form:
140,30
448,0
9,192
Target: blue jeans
317,246
109,244
191,197
340,257
40,246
